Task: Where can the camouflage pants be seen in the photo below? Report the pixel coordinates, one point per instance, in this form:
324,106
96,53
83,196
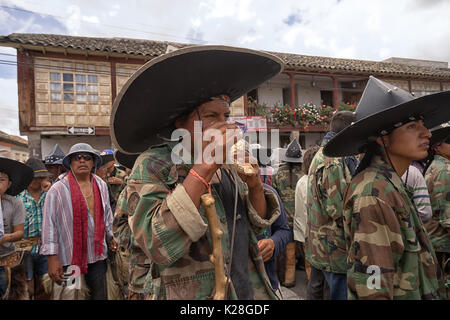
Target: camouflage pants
444,262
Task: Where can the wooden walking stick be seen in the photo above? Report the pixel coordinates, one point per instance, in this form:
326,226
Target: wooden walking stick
216,256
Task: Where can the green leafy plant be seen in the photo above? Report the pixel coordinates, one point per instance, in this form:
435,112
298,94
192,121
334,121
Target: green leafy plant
347,106
261,109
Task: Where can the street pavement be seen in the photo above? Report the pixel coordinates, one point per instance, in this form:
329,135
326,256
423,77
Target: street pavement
298,292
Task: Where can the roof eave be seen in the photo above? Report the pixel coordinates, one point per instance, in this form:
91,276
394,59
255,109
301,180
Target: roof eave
55,49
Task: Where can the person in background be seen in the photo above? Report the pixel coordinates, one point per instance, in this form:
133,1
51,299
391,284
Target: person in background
33,198
2,229
273,242
265,170
301,214
275,238
104,171
14,177
53,163
138,262
77,222
437,178
113,176
325,244
389,253
418,191
284,181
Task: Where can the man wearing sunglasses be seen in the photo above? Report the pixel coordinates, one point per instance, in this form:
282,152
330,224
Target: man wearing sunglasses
77,222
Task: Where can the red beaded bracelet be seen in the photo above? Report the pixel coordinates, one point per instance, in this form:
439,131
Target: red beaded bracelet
207,184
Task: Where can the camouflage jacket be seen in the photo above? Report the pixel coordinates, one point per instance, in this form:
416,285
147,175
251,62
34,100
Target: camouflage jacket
385,236
138,262
285,186
116,189
173,233
325,244
437,178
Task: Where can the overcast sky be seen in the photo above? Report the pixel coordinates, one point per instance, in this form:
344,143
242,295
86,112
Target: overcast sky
368,30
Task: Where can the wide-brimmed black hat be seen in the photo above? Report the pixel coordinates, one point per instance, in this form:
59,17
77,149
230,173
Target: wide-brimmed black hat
18,173
439,133
177,82
39,169
382,108
55,156
126,160
293,153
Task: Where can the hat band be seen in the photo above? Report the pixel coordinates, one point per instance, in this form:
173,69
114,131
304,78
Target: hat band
222,97
40,170
385,132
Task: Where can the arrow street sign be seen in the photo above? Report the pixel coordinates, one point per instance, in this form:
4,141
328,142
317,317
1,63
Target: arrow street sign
81,130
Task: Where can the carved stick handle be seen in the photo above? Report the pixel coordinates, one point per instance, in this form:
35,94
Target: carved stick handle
216,257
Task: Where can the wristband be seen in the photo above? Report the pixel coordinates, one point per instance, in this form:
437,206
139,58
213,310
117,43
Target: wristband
207,184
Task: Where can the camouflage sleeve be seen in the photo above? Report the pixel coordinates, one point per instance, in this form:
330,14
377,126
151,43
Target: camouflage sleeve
121,228
332,184
441,197
375,245
164,223
259,224
275,184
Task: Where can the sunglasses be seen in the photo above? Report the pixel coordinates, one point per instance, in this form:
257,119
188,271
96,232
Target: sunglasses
86,157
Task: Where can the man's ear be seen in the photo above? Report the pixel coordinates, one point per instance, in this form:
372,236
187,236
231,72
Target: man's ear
9,184
379,140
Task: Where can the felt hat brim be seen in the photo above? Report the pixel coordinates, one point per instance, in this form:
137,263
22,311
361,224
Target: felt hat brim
42,174
439,135
53,160
19,174
291,160
126,160
85,149
107,158
434,108
175,83
55,156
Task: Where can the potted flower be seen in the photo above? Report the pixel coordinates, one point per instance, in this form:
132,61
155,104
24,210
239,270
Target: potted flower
281,114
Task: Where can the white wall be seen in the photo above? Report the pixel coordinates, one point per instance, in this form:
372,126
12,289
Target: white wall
270,96
65,142
306,93
313,138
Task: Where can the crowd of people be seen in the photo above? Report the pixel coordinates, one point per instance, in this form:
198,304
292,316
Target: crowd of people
366,213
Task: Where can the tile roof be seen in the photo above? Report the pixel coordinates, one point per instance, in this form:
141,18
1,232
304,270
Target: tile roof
13,139
294,62
351,66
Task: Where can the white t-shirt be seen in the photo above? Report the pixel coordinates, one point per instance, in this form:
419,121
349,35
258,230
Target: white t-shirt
301,216
421,197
